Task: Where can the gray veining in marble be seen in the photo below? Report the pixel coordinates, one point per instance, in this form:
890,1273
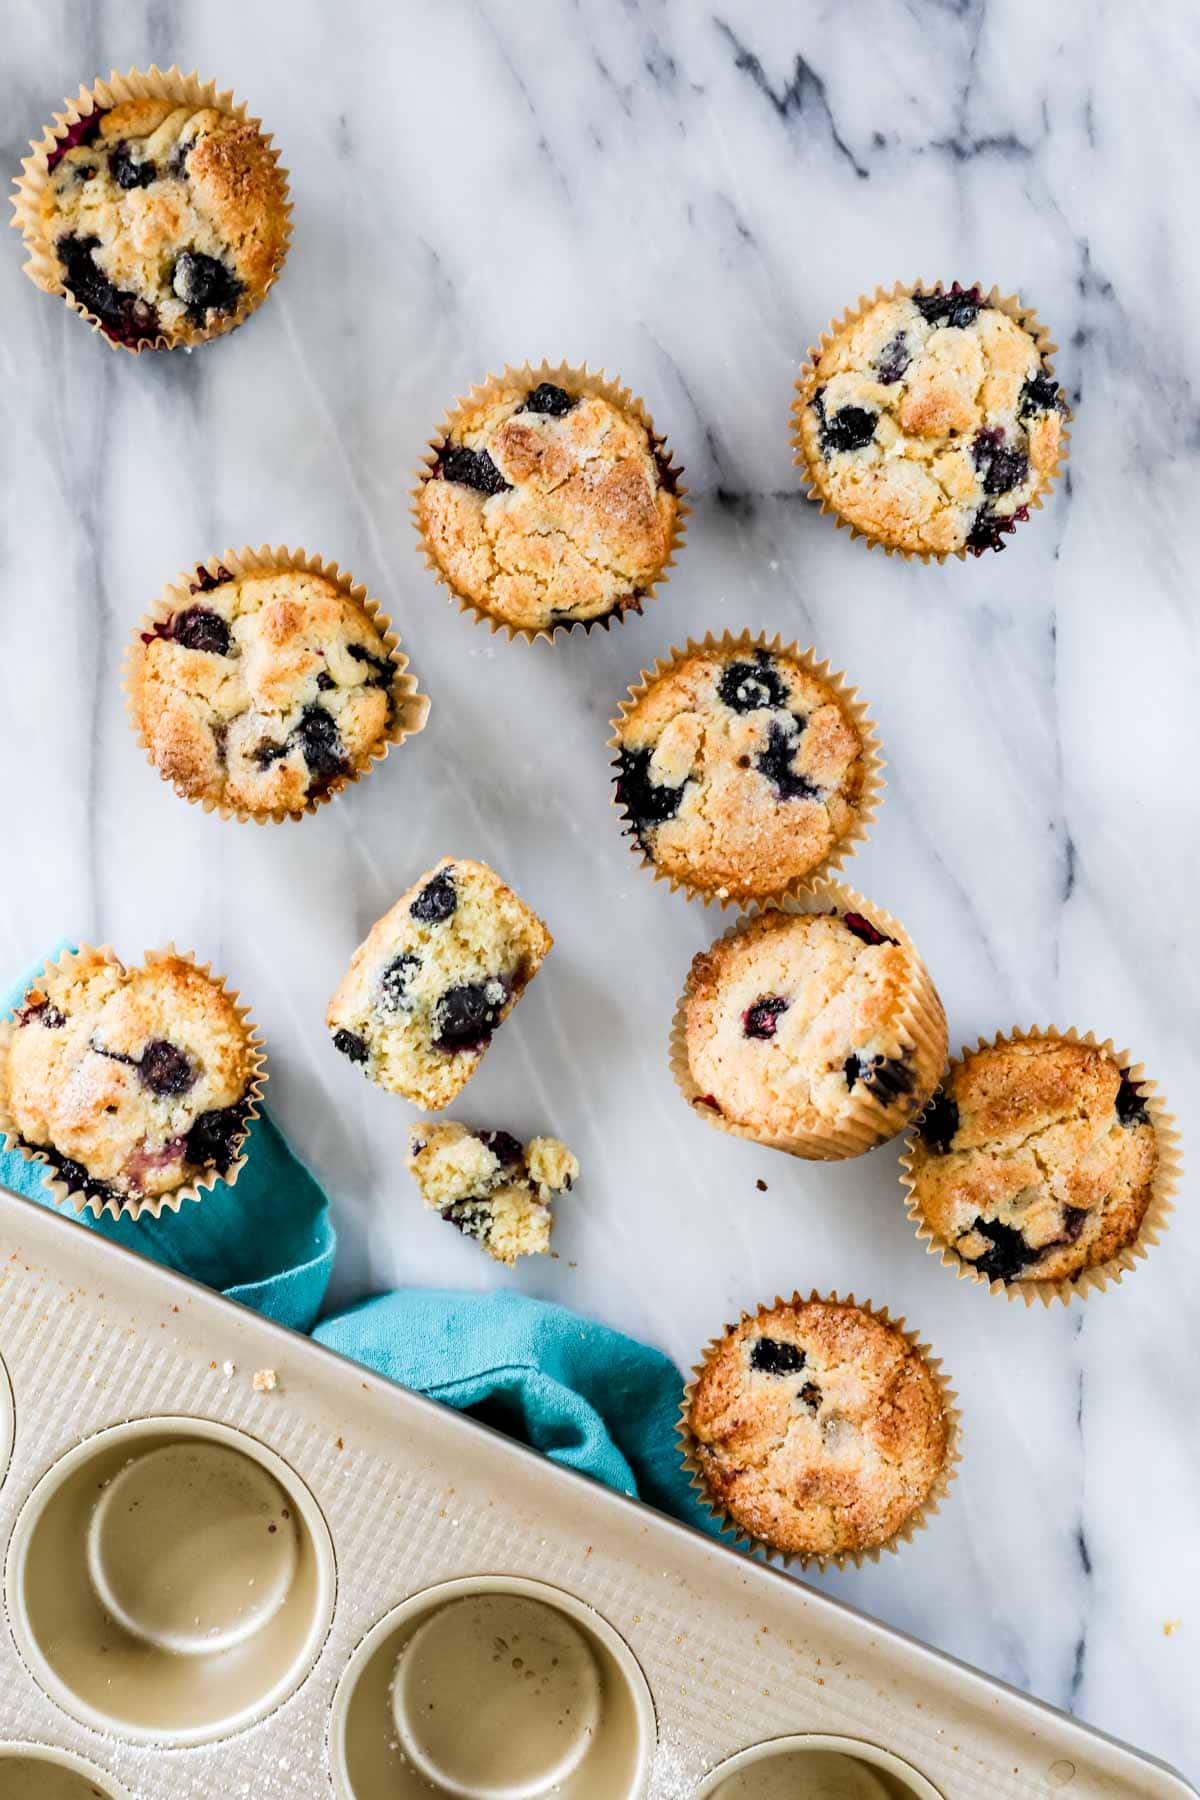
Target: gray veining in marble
684,196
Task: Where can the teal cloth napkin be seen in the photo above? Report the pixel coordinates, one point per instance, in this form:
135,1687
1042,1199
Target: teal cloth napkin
584,1395
267,1241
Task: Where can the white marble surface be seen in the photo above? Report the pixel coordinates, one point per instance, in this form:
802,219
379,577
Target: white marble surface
685,198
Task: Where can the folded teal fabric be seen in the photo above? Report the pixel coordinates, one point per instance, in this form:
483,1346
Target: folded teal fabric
267,1242
584,1395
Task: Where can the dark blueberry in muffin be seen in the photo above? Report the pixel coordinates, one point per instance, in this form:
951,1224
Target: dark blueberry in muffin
811,1396
84,131
384,670
1041,393
214,1138
351,1045
865,930
1074,1220
78,1179
746,687
437,900
851,429
466,1016
546,398
771,1357
204,284
648,802
1002,467
42,1012
1131,1103
960,307
165,1070
127,172
1008,1253
205,581
393,983
886,1077
123,317
894,359
939,1123
775,763
471,468
269,751
503,1145
761,1019
325,681
318,736
198,628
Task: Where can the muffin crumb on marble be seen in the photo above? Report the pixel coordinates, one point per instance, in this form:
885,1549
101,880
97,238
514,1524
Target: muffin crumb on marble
490,1186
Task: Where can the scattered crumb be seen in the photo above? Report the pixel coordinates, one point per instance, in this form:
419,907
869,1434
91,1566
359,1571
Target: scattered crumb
761,1185
1171,1626
341,1444
265,1381
228,1369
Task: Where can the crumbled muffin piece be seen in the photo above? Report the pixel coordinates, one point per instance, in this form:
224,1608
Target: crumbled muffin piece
490,1186
818,1428
797,1018
132,1080
265,1381
166,219
433,980
739,770
265,692
549,506
931,422
1035,1160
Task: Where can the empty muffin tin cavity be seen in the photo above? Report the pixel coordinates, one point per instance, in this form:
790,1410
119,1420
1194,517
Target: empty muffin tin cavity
35,1772
820,1768
170,1581
7,1421
492,1688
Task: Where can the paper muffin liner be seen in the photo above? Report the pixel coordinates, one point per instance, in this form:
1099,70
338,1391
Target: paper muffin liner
154,1205
409,713
153,83
807,380
579,380
852,705
920,1031
840,1559
1097,1278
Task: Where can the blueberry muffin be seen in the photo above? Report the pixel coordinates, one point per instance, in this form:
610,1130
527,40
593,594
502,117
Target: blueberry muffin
546,506
931,422
818,1428
493,1188
165,219
815,1032
1035,1160
740,769
131,1082
266,692
433,980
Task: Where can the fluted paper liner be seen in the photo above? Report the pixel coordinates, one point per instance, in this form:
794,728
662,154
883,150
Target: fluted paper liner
1158,1212
410,710
808,378
920,1030
577,380
852,706
840,1559
153,1205
151,84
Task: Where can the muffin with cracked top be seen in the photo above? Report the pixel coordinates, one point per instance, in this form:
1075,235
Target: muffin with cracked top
1036,1160
434,979
817,1032
268,691
931,420
743,767
490,1186
130,1082
163,217
546,504
818,1428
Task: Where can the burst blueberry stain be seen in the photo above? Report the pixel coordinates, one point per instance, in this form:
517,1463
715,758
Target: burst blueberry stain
1002,466
853,428
195,628
383,671
84,131
888,1078
1131,1103
470,468
646,801
214,1139
503,1146
393,983
206,581
204,284
864,930
989,529
959,308
466,1016
127,171
939,1123
747,687
1007,1253
774,762
124,317
317,734
762,1019
771,1356
546,398
351,1045
894,359
437,900
78,1179
1041,393
166,1070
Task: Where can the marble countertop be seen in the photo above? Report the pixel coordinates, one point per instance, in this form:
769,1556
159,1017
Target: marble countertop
685,198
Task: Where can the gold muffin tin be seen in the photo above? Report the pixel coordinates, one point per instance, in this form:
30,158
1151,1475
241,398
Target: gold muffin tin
217,1586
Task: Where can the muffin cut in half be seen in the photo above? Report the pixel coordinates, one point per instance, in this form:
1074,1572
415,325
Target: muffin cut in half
433,980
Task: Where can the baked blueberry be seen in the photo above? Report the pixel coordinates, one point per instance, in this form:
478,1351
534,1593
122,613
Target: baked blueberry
546,398
865,930
762,1019
215,1138
959,308
748,686
491,1187
83,131
465,1017
647,802
124,316
205,580
850,428
393,983
1131,1102
777,761
502,1144
198,628
351,1045
894,359
939,1123
436,901
772,1356
166,1070
129,171
1041,393
470,468
321,745
203,283
1007,1254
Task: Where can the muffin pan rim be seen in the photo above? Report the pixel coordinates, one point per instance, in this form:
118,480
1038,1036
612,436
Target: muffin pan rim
852,1748
30,1749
